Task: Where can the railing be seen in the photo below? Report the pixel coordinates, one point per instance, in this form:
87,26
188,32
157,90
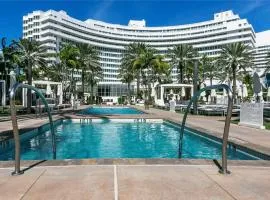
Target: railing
15,124
223,170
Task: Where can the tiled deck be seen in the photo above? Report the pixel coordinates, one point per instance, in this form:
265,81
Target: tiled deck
136,182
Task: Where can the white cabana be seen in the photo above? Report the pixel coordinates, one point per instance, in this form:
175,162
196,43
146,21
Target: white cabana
48,90
162,88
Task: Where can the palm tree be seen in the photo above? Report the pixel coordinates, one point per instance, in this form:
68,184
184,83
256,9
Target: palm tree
92,77
132,59
180,56
69,59
154,68
209,69
235,57
127,76
30,54
88,61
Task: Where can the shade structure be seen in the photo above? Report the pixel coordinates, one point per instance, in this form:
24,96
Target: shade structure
48,89
183,92
213,93
245,92
268,92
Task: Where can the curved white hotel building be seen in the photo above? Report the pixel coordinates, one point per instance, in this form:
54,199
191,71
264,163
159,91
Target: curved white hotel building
53,28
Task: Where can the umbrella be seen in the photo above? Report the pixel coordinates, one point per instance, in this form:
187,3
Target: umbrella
213,93
171,91
268,92
48,89
183,92
245,92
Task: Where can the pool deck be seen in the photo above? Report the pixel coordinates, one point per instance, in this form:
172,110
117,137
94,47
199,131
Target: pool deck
143,178
200,182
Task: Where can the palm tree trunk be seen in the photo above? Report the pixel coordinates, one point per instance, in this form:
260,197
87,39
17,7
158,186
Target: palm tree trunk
138,85
83,75
234,84
91,90
181,73
129,99
211,81
29,93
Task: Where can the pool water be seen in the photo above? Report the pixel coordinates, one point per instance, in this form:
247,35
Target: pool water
111,111
119,140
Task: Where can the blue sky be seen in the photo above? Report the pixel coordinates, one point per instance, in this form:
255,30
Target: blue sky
155,12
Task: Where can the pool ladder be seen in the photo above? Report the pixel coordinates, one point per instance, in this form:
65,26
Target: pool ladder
15,124
85,121
223,169
139,120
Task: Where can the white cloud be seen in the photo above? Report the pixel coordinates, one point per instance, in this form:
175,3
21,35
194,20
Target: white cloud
251,6
102,10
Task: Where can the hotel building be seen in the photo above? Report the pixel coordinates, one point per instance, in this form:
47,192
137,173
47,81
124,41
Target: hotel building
54,28
261,50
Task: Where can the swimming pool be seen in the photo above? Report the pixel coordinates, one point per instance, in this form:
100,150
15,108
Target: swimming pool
118,139
111,111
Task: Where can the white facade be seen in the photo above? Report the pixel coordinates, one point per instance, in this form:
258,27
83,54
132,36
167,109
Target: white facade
52,28
261,50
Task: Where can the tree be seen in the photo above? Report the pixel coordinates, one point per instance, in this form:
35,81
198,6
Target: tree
127,76
29,54
88,61
234,58
92,77
69,58
180,56
209,69
132,59
154,68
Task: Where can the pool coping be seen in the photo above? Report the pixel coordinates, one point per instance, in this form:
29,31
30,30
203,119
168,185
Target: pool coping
134,161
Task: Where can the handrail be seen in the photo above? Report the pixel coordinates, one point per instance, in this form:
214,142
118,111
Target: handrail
15,124
223,170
